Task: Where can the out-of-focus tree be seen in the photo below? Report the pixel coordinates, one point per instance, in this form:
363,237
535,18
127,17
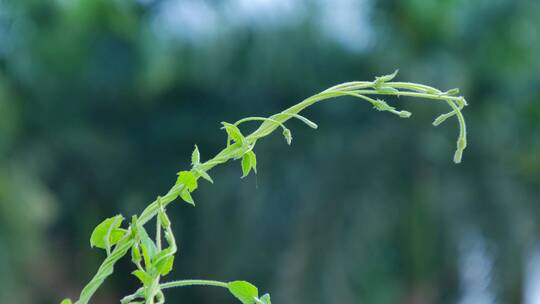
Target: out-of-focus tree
96,102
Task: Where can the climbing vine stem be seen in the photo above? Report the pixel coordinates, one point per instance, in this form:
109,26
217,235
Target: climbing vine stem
153,259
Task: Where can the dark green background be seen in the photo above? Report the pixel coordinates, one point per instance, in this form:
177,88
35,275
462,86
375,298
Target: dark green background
101,102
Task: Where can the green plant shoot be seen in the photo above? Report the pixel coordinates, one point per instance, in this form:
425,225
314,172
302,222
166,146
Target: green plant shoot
153,259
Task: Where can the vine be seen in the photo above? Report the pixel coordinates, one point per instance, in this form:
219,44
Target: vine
152,260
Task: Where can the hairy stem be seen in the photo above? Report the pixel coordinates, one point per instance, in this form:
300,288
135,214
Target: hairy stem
359,89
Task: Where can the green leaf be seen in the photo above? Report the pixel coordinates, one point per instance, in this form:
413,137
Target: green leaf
234,132
144,277
148,247
385,78
135,254
109,227
186,196
162,255
266,299
246,165
195,156
288,136
204,175
243,291
253,160
66,301
188,179
165,265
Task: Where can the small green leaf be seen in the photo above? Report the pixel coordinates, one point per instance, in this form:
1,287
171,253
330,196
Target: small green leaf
66,301
288,136
253,160
160,256
144,277
165,265
246,165
195,156
186,196
108,227
135,254
148,247
243,291
188,179
234,132
204,175
385,78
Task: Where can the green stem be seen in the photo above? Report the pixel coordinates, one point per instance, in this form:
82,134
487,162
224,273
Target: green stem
413,86
182,283
462,139
106,269
357,89
405,93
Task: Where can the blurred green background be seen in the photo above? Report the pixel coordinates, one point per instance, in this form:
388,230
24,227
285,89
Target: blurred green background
101,102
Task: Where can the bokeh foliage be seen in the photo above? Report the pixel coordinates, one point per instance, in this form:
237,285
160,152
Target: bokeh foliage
99,101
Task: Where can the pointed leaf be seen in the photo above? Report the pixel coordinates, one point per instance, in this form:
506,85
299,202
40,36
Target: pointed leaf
135,254
109,227
253,160
243,291
186,196
234,132
144,277
205,175
148,247
246,165
385,78
165,265
195,156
